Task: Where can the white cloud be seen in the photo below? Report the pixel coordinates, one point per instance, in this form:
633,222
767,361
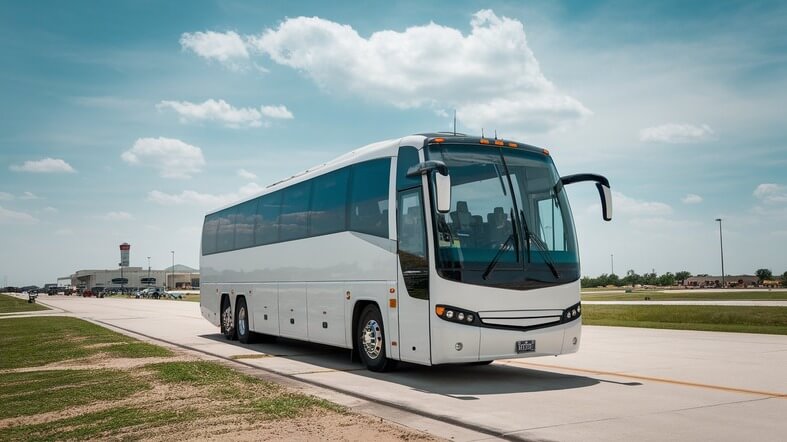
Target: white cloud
490,76
632,207
117,216
172,157
193,198
46,165
8,216
49,209
278,112
675,133
227,48
691,198
771,193
245,174
5,196
28,196
223,112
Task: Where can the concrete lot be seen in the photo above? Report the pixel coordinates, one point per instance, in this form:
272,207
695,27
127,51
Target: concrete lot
624,384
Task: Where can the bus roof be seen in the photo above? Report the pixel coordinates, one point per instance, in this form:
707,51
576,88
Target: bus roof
381,149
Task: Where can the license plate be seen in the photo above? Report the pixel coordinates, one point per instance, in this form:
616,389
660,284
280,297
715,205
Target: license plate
525,346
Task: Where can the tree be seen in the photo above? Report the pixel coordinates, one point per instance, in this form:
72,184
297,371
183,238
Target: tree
666,280
631,278
682,276
763,274
784,279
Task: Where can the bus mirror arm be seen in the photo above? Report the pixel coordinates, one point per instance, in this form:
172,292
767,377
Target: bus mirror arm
602,184
442,181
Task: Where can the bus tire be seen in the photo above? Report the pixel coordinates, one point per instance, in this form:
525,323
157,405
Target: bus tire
370,340
227,320
242,321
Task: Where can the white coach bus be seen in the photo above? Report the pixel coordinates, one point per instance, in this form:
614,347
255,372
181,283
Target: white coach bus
431,249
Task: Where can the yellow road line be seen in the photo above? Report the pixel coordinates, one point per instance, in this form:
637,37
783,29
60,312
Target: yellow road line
654,379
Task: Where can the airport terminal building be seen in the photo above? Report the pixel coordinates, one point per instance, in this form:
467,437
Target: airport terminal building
182,277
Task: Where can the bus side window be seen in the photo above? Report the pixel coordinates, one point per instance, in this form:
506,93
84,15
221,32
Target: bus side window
225,236
209,234
407,158
412,243
369,201
294,211
328,213
244,224
266,229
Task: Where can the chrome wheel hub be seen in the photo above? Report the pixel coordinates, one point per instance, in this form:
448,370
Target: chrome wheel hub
226,319
372,339
242,321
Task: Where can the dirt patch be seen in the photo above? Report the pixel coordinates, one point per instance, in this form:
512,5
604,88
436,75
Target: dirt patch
236,408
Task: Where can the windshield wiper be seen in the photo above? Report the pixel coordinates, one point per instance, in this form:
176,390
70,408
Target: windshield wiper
503,247
543,250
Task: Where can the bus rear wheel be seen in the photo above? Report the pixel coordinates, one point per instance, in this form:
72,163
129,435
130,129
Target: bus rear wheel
242,321
227,320
370,340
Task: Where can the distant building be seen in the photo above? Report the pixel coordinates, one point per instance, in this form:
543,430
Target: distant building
732,281
133,278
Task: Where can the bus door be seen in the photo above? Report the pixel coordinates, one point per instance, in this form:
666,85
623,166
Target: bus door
413,277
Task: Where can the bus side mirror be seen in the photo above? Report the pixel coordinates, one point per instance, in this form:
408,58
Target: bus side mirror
442,185
442,181
602,184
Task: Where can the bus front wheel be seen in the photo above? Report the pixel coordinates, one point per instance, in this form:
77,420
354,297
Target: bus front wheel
370,340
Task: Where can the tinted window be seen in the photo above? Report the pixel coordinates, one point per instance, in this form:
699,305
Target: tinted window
329,203
369,201
226,232
408,157
294,211
266,230
209,234
244,224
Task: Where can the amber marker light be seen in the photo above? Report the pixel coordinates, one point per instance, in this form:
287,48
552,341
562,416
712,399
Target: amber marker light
438,140
439,310
392,303
499,143
546,151
484,141
512,145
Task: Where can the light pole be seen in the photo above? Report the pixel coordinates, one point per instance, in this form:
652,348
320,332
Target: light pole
721,248
612,263
173,269
148,271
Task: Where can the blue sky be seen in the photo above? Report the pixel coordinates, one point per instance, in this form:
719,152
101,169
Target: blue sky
127,121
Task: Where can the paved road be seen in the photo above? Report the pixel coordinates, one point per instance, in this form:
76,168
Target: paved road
624,384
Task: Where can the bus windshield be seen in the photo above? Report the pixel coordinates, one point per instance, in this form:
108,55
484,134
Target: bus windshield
510,223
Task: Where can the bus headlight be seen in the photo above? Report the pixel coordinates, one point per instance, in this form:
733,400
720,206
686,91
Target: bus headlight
572,313
454,314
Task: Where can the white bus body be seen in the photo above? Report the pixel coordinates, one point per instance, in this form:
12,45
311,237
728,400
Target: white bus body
345,275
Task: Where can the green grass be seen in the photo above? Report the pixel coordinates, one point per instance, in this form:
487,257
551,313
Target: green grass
687,296
29,393
11,304
197,373
191,297
31,342
100,424
770,320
